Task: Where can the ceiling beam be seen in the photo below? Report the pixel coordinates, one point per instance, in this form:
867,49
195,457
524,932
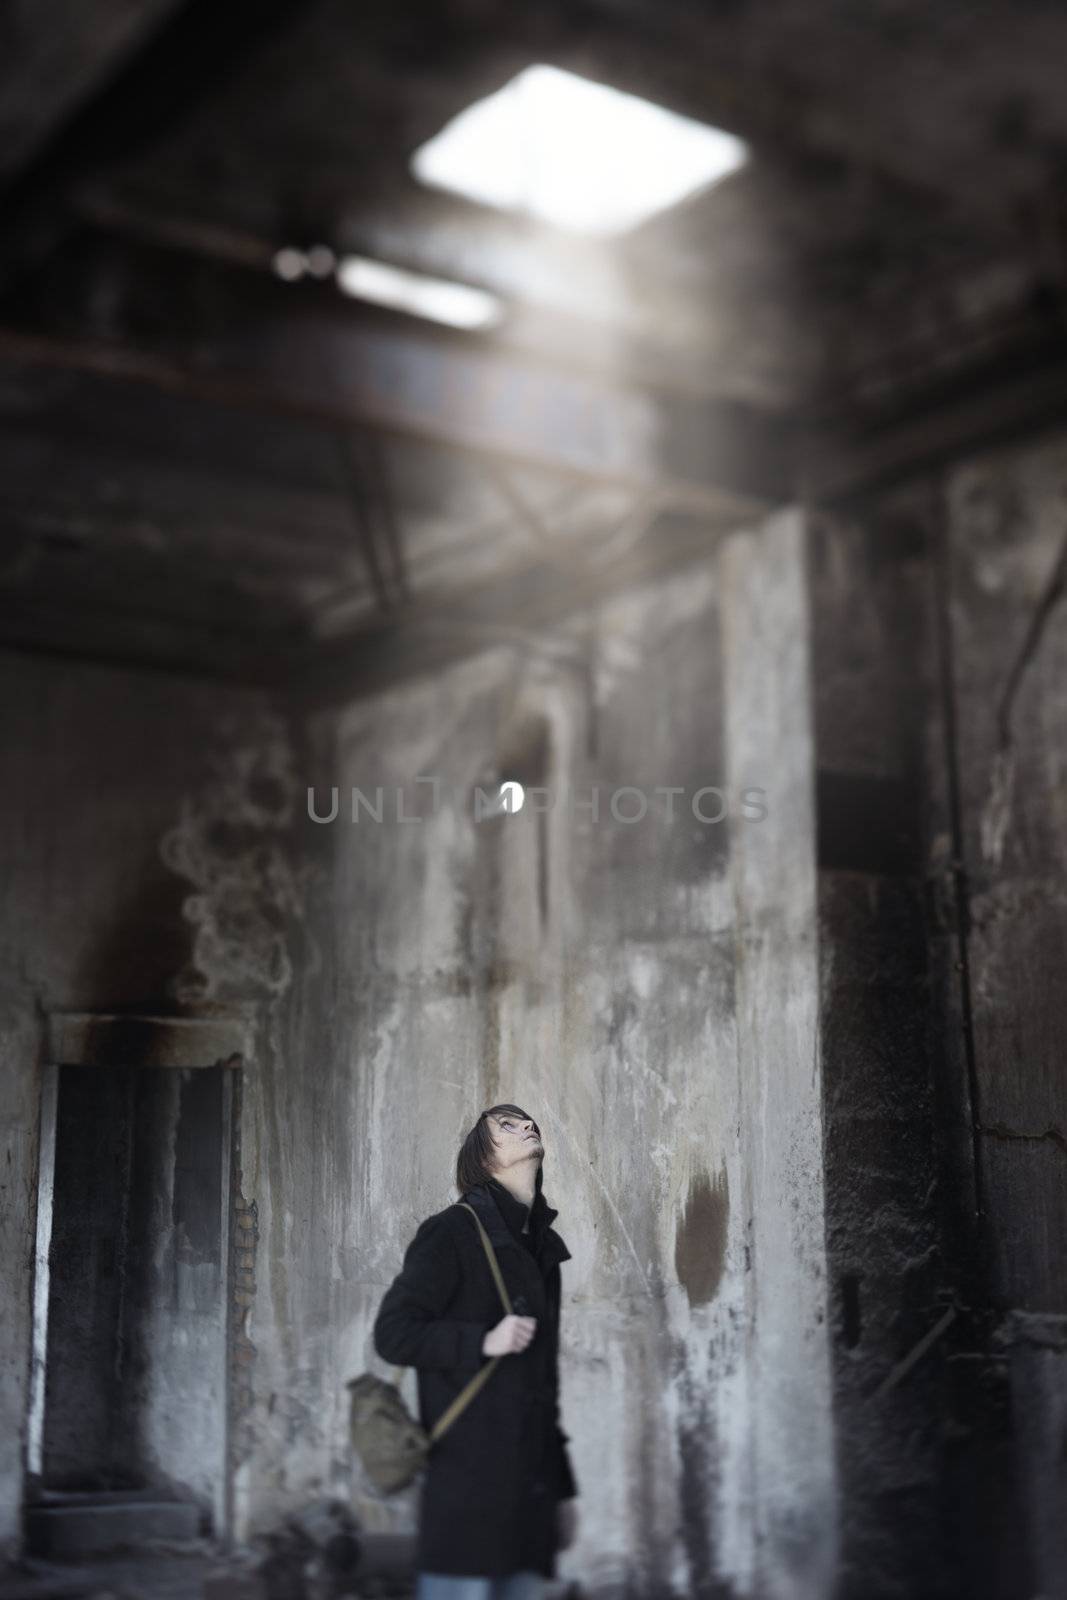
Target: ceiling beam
529,610
847,457
240,338
523,608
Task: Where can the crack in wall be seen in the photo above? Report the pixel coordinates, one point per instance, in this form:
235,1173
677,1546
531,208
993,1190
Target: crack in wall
1051,1135
996,814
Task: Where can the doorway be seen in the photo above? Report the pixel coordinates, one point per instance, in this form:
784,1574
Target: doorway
130,1398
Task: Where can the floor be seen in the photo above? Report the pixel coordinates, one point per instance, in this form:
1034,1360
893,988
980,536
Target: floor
198,1573
161,1576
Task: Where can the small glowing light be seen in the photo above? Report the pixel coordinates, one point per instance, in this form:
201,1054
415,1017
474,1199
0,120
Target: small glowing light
320,261
512,796
289,264
459,305
574,153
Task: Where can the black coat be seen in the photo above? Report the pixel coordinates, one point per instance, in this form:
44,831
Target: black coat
493,1481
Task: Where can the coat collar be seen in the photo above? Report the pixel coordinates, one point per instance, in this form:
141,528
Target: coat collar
502,1216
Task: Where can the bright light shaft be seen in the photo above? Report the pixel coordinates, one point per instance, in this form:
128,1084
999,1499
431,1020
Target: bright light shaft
577,154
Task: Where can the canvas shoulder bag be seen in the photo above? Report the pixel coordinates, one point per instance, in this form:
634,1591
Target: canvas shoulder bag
392,1444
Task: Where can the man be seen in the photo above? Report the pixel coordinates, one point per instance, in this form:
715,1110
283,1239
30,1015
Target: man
498,1497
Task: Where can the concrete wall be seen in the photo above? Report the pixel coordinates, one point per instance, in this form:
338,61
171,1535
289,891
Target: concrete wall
648,989
790,1517
897,1139
941,743
1006,537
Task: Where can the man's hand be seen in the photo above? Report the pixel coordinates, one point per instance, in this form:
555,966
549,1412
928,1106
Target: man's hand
566,1523
510,1336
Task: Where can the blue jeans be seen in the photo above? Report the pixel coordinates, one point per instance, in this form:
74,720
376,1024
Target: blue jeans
442,1586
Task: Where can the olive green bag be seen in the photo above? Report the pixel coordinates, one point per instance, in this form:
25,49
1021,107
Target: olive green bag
390,1443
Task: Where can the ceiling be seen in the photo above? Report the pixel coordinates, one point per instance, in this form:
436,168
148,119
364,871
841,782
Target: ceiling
207,467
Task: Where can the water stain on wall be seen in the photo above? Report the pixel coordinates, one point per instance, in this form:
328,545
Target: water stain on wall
233,846
700,1239
697,1488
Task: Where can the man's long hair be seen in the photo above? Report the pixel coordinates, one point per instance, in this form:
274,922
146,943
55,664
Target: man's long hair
474,1164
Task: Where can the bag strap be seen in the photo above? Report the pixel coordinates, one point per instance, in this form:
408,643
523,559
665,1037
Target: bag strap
467,1394
494,1265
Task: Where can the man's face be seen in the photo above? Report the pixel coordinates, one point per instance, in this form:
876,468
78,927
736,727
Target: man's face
517,1139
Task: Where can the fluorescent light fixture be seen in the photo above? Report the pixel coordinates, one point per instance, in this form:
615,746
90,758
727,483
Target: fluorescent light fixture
459,305
577,154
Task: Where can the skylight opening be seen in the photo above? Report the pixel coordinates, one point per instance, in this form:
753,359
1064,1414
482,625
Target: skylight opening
576,154
457,305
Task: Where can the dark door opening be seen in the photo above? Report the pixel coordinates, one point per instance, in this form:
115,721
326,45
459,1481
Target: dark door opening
135,1347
